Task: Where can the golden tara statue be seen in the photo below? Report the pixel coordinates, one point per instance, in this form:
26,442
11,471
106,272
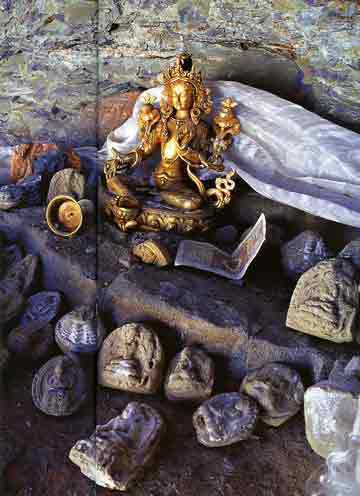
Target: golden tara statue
179,199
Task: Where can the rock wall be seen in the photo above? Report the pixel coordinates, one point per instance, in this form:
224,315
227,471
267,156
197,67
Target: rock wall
59,57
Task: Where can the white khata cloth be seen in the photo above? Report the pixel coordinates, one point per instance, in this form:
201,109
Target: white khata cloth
284,152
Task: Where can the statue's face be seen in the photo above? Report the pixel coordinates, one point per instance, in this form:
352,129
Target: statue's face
181,96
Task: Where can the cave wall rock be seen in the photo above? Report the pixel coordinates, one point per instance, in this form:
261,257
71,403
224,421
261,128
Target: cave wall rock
59,57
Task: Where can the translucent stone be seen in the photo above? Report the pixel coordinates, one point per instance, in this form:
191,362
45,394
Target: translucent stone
341,474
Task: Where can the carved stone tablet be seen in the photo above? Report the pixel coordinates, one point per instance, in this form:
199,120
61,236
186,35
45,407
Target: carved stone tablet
59,387
278,390
33,341
325,301
80,331
302,253
117,452
43,306
67,182
22,274
190,376
131,359
225,419
351,252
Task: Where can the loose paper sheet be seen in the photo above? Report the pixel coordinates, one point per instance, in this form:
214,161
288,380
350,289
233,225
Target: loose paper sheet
205,256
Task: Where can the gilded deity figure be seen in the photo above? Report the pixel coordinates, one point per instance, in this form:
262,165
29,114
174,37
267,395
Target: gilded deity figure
184,140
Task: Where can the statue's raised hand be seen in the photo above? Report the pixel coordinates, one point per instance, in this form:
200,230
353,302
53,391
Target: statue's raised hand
119,163
215,166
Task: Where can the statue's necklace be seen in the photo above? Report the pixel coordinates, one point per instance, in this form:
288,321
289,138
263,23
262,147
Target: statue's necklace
184,129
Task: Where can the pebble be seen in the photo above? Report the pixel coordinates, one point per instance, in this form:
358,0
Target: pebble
225,419
351,252
325,301
116,454
59,388
43,306
190,376
279,391
131,359
302,253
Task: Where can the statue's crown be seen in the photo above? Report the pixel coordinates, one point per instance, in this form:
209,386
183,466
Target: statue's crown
183,70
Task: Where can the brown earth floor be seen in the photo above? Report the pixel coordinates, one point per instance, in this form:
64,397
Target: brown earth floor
277,462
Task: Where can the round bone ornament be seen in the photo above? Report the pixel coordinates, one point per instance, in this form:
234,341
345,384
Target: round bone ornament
279,391
225,419
59,387
80,331
190,376
131,359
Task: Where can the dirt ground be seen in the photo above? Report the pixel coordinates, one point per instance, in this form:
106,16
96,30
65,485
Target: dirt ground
277,462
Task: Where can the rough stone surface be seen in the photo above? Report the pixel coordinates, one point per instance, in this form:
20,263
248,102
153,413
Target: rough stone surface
278,390
351,252
32,341
117,452
131,359
11,196
247,206
58,56
247,325
325,301
353,367
113,110
66,266
225,419
16,286
32,187
10,255
302,253
23,275
190,376
330,413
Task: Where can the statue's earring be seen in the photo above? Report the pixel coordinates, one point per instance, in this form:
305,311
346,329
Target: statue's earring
195,115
